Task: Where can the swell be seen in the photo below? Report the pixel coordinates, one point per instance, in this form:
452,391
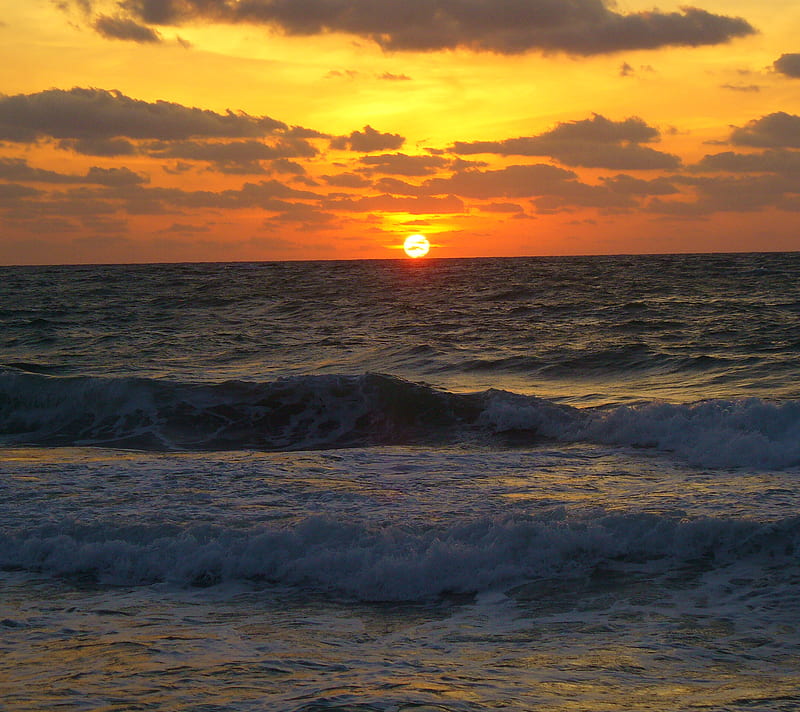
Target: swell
319,412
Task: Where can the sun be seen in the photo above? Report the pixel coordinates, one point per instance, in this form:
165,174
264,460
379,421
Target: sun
416,245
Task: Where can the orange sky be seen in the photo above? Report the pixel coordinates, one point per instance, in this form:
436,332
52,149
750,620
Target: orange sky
189,130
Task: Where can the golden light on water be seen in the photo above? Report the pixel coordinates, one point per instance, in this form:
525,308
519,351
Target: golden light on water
416,246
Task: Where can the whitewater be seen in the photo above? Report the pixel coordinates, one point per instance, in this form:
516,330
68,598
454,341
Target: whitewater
528,483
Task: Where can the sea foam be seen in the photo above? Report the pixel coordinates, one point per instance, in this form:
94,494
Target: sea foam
391,562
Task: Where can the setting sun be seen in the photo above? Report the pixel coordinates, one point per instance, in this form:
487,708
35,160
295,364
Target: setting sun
416,246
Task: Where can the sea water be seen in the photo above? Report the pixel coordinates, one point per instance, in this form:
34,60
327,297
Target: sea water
524,484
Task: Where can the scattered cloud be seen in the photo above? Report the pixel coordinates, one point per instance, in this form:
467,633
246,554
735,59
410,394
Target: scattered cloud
402,164
742,87
94,114
788,64
107,147
580,27
389,77
502,208
17,169
368,140
392,203
519,181
628,185
186,228
769,161
231,157
778,130
597,143
347,180
124,28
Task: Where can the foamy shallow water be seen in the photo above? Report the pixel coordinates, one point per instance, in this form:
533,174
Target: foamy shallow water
396,578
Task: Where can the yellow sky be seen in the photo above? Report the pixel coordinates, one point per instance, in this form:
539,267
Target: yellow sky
498,127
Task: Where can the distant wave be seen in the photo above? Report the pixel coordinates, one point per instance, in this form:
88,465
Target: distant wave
385,562
318,412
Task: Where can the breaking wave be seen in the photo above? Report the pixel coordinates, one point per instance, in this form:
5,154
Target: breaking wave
385,562
319,412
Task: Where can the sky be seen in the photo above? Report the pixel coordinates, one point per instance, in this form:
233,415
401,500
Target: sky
229,130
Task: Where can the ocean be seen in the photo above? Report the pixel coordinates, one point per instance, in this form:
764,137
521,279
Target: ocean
434,485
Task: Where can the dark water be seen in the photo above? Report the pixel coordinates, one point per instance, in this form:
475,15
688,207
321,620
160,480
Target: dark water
561,484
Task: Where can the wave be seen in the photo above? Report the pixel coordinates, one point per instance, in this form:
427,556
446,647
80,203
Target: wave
385,562
318,412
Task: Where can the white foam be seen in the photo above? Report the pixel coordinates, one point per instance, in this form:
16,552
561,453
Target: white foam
714,433
389,562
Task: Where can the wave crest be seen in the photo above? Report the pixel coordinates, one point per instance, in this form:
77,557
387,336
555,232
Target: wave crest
318,412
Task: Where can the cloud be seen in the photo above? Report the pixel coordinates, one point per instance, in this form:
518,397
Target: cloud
778,130
519,181
17,169
107,147
741,87
347,180
769,161
502,208
581,27
368,140
391,203
732,194
388,76
13,191
628,185
124,28
788,64
93,114
593,143
231,151
404,165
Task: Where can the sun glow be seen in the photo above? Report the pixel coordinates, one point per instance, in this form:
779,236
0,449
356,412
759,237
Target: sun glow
416,246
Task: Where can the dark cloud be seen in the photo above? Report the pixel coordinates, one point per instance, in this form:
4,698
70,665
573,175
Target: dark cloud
305,214
114,177
186,228
502,208
347,180
778,130
769,161
594,143
17,169
368,140
232,157
788,64
392,203
732,194
14,191
284,165
124,28
108,147
94,114
510,182
398,187
628,185
234,151
402,164
582,27
574,194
